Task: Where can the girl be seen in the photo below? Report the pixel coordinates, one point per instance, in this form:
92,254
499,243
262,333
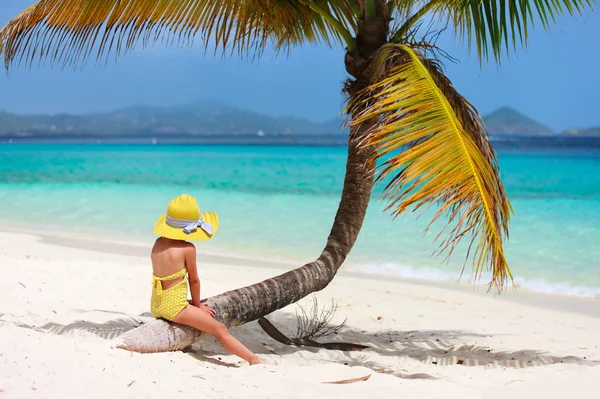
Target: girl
174,263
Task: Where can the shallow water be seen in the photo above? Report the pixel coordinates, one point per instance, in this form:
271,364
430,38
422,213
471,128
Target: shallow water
279,202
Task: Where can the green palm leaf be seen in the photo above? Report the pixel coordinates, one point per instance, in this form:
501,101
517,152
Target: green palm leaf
506,23
492,25
435,150
68,31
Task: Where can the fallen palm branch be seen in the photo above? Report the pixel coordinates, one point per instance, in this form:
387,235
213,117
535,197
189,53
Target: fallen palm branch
281,337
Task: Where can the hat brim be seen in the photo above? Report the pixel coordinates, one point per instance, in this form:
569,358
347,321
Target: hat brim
163,229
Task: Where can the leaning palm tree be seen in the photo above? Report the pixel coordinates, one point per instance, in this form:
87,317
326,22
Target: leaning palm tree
409,127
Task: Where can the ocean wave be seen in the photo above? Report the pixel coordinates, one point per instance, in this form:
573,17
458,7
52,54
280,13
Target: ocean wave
539,285
432,274
402,271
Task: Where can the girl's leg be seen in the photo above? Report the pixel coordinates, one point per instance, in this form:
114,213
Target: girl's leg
200,320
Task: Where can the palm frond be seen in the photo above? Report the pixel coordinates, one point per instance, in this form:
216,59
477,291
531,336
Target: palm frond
69,31
434,149
497,25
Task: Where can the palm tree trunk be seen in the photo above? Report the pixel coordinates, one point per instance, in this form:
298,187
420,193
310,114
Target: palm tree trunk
253,302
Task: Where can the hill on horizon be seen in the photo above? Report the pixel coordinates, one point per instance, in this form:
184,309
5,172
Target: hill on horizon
506,121
216,118
195,118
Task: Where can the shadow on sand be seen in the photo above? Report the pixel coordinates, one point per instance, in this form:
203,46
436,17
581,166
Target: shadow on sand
438,347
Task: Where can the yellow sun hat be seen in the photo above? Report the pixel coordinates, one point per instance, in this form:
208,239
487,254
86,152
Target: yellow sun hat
184,221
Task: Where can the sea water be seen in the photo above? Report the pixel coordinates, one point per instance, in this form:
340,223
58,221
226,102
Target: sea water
278,203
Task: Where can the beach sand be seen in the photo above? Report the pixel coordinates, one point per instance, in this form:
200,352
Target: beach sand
63,309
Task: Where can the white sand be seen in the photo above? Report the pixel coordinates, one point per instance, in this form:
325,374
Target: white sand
62,311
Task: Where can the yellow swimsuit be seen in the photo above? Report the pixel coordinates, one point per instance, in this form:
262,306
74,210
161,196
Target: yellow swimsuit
167,304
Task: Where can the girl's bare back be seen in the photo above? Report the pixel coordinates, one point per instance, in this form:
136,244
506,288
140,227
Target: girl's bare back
168,257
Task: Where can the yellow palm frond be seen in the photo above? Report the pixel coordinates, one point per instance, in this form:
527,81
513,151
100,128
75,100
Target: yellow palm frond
434,149
68,31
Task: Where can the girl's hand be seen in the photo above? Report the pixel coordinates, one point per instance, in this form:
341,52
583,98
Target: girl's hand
207,309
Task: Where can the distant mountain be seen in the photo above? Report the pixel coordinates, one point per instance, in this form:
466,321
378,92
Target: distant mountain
508,122
197,118
204,118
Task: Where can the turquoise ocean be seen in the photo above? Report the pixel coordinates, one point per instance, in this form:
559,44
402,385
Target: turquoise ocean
278,203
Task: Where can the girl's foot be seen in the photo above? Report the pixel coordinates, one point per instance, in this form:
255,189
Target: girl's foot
260,360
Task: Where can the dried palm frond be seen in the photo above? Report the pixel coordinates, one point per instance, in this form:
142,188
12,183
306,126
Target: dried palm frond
433,146
315,323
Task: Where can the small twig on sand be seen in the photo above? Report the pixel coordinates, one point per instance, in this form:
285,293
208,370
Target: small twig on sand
350,381
21,284
510,382
199,376
130,384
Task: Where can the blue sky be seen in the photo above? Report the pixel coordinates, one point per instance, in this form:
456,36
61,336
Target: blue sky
553,80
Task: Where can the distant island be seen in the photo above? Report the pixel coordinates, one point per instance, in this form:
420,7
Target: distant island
591,132
196,118
509,122
206,118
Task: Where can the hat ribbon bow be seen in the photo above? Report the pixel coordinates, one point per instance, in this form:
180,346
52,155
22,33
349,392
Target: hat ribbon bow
189,226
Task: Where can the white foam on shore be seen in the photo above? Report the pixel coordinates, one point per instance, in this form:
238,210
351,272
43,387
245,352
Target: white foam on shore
432,274
402,271
539,285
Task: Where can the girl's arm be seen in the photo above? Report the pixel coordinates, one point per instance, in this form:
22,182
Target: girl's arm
190,264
